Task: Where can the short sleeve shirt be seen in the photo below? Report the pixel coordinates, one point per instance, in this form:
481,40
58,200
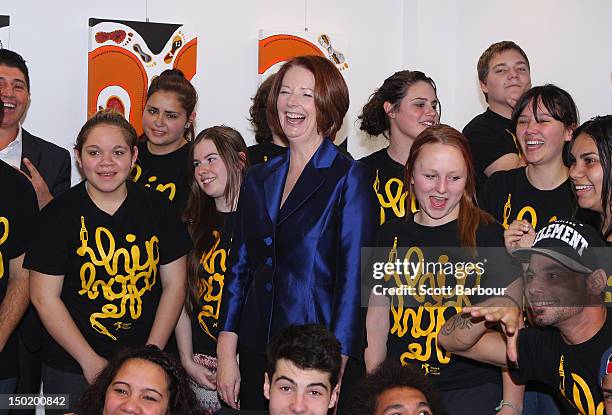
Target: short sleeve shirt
110,265
572,370
213,265
167,173
509,196
491,136
388,185
415,319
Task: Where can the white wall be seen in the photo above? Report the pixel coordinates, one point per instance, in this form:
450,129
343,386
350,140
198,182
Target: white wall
52,37
567,43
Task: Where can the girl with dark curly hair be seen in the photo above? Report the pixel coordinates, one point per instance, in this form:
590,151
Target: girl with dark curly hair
400,109
146,380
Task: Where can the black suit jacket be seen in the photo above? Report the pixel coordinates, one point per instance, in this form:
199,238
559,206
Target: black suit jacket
52,161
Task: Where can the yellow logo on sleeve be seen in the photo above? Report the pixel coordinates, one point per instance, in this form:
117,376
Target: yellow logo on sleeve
4,223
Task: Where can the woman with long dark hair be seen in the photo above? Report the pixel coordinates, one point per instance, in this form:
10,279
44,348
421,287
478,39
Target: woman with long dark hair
400,109
168,127
591,169
219,161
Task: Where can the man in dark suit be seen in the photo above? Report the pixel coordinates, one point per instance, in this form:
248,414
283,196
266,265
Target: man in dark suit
46,164
48,168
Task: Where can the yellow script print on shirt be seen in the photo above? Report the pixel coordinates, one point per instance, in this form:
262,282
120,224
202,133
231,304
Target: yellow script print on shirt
580,391
411,319
4,223
170,187
522,215
210,289
129,287
394,198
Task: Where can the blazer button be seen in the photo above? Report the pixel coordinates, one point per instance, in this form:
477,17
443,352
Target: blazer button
269,262
268,286
268,241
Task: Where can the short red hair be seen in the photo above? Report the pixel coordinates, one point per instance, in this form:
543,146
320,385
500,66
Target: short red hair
331,95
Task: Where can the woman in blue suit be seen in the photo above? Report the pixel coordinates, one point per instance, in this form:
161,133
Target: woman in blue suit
302,220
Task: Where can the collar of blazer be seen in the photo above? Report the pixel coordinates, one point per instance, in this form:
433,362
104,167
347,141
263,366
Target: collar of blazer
309,181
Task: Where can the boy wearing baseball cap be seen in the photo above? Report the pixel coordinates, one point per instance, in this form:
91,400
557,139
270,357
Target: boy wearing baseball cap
564,281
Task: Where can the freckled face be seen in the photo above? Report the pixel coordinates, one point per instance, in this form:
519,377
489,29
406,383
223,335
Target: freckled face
438,181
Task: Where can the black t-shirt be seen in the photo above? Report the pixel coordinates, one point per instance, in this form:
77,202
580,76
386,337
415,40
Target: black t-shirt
572,370
167,173
388,184
18,212
508,195
491,136
416,319
205,322
262,152
110,265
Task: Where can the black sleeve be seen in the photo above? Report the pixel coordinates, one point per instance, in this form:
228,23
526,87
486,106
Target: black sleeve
174,240
48,251
488,198
23,218
62,182
535,357
487,146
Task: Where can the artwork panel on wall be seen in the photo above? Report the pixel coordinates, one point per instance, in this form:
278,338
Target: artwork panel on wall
275,48
124,56
4,31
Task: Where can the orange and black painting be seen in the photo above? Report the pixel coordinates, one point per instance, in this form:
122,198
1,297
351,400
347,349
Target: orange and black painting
124,56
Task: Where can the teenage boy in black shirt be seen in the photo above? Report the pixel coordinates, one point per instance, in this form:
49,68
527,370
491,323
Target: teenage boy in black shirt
504,74
563,284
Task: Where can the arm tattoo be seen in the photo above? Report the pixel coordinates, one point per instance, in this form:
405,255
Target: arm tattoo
458,321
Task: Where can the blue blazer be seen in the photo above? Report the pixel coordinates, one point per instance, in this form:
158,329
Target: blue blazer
300,263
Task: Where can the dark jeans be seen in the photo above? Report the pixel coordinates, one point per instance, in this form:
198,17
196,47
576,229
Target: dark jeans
59,382
7,386
476,400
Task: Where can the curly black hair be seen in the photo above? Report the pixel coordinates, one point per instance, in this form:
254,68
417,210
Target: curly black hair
259,120
391,375
308,346
181,401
